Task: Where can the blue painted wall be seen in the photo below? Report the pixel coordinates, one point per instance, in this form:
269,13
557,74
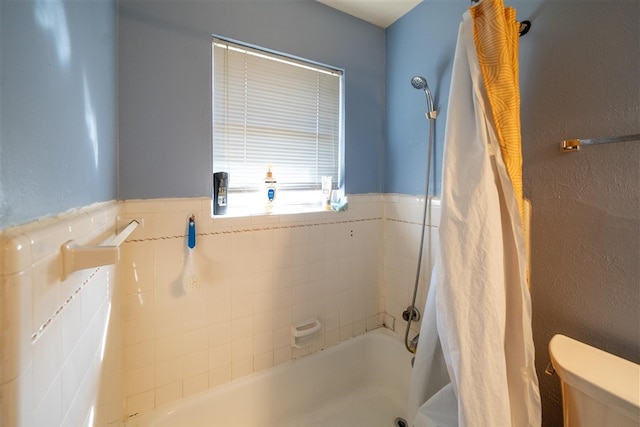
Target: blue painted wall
420,43
58,107
165,85
578,79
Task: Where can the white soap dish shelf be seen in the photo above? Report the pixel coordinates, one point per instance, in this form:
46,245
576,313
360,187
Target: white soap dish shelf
305,333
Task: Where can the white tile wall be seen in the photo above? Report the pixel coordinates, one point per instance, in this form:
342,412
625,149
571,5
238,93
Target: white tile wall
257,276
61,346
402,231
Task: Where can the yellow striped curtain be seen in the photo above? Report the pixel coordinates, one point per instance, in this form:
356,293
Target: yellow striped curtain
496,32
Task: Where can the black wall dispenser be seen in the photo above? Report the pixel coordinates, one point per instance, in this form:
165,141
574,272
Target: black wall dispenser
220,184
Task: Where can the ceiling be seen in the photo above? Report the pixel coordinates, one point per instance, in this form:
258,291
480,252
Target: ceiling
378,12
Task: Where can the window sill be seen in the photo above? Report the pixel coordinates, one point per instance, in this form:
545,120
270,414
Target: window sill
249,205
250,212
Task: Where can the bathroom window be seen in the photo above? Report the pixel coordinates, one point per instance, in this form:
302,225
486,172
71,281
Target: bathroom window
275,111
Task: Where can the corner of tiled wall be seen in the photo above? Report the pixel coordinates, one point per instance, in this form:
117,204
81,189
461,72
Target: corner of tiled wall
54,331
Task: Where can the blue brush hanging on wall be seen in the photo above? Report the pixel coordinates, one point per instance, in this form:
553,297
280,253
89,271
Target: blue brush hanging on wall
189,279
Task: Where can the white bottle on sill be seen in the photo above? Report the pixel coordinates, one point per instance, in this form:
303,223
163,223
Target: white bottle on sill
269,190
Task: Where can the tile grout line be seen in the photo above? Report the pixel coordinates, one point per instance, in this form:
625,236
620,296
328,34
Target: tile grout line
38,333
250,230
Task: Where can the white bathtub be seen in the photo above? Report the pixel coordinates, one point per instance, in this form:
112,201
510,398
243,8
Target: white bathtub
360,382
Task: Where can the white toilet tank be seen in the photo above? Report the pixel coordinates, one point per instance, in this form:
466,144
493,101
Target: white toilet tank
598,388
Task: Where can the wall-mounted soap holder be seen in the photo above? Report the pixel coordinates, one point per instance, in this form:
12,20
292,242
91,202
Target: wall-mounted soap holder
304,333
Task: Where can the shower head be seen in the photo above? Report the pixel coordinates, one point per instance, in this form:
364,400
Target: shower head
420,83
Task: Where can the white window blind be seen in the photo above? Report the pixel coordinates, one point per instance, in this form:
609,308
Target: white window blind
273,110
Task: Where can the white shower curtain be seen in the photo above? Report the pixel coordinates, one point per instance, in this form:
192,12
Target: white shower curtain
475,359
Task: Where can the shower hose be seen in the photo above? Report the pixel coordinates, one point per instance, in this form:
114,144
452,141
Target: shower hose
412,308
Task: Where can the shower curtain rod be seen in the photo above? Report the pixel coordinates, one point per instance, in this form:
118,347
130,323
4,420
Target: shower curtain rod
571,145
525,26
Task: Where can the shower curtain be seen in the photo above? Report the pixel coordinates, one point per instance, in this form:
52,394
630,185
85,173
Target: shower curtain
475,360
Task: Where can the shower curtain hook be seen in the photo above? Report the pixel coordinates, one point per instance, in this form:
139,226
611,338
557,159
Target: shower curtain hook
525,26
